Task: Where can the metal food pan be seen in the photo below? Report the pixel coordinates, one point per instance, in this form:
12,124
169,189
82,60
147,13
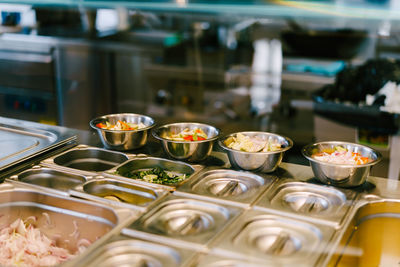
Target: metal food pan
228,184
47,178
143,163
311,201
275,240
187,219
211,260
87,159
22,140
122,250
110,190
68,222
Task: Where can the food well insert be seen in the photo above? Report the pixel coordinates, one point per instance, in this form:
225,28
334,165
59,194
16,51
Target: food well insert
309,200
71,224
155,170
125,251
228,184
50,178
210,260
114,190
187,219
276,240
87,159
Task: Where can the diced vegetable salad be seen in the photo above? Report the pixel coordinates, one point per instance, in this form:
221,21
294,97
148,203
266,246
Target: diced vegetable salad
251,143
187,134
121,126
157,175
341,155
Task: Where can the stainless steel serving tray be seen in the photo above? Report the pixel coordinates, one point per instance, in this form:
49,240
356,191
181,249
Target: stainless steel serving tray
123,250
274,240
181,219
78,184
22,140
87,160
317,203
63,219
227,184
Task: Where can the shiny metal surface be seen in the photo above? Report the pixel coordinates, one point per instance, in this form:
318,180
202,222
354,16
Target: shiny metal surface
209,260
90,159
275,240
63,219
146,163
50,178
228,184
122,250
123,140
22,140
313,202
257,161
342,175
193,151
122,192
186,219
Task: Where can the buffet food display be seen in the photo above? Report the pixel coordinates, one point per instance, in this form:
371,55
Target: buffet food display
90,206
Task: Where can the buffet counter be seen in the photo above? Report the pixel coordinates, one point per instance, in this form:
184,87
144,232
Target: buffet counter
76,191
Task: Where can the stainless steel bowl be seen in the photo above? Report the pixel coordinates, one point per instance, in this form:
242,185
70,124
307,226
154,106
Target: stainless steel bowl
342,175
257,161
123,140
193,151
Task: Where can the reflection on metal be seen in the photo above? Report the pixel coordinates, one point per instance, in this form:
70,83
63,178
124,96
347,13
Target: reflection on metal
21,140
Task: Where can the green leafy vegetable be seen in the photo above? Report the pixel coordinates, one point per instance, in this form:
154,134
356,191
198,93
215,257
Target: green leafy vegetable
156,175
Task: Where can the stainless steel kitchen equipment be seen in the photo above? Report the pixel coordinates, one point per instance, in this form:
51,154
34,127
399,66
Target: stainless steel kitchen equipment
22,140
123,139
72,223
192,151
238,186
275,239
132,251
342,175
50,178
218,214
53,79
88,159
187,219
257,161
102,189
313,202
140,163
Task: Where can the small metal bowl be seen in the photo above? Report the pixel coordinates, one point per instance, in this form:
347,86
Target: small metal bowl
125,139
193,151
257,161
341,175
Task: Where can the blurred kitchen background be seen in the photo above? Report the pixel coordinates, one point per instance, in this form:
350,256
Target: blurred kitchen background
242,65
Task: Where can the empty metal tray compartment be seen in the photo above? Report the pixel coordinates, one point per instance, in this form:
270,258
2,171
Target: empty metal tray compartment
49,178
143,164
186,219
275,239
315,202
126,251
111,189
88,159
227,184
67,221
